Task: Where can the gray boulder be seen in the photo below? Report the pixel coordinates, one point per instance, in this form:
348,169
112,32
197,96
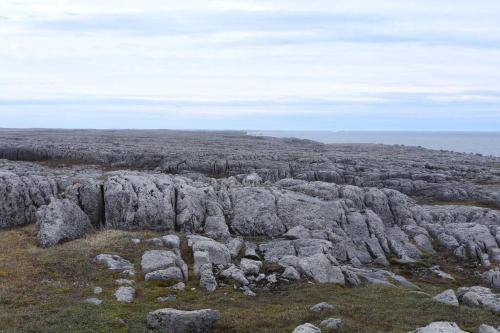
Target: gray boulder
21,195
441,327
113,261
125,294
86,193
492,278
61,220
254,212
207,278
200,258
218,253
332,323
171,241
235,274
155,260
179,321
168,274
306,328
136,200
291,274
321,269
447,297
321,306
480,297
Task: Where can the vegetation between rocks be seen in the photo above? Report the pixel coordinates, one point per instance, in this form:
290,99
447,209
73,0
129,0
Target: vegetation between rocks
42,290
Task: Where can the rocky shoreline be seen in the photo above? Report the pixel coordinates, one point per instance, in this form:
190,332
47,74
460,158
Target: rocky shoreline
341,214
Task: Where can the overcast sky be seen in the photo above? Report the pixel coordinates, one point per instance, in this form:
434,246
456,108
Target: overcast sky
270,64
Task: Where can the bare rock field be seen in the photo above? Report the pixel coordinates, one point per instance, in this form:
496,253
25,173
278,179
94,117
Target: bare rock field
190,231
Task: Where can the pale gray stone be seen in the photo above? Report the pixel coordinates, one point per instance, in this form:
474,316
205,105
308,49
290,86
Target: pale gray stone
306,328
320,268
207,278
321,306
480,297
235,274
139,201
492,278
250,267
125,294
332,323
487,329
291,274
171,241
113,261
158,259
61,220
179,321
441,327
167,274
447,297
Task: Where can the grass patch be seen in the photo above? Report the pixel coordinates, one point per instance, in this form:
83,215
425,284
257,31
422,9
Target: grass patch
478,203
41,290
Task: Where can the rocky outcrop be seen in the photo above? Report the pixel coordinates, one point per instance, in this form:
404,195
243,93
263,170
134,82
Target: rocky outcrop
479,297
492,278
207,278
21,196
179,321
59,221
208,251
412,170
125,294
139,201
487,329
354,225
471,233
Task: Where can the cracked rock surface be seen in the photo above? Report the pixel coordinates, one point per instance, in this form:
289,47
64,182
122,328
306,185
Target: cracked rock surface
257,212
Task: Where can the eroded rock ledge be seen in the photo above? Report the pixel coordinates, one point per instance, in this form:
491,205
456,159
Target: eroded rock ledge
355,225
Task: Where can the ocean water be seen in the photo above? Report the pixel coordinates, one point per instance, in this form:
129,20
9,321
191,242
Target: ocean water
485,143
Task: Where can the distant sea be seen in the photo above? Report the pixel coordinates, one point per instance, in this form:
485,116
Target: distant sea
485,143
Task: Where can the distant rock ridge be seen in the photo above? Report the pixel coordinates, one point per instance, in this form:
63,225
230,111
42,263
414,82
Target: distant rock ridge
431,174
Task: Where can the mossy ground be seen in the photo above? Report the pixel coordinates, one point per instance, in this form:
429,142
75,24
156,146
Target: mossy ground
41,290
